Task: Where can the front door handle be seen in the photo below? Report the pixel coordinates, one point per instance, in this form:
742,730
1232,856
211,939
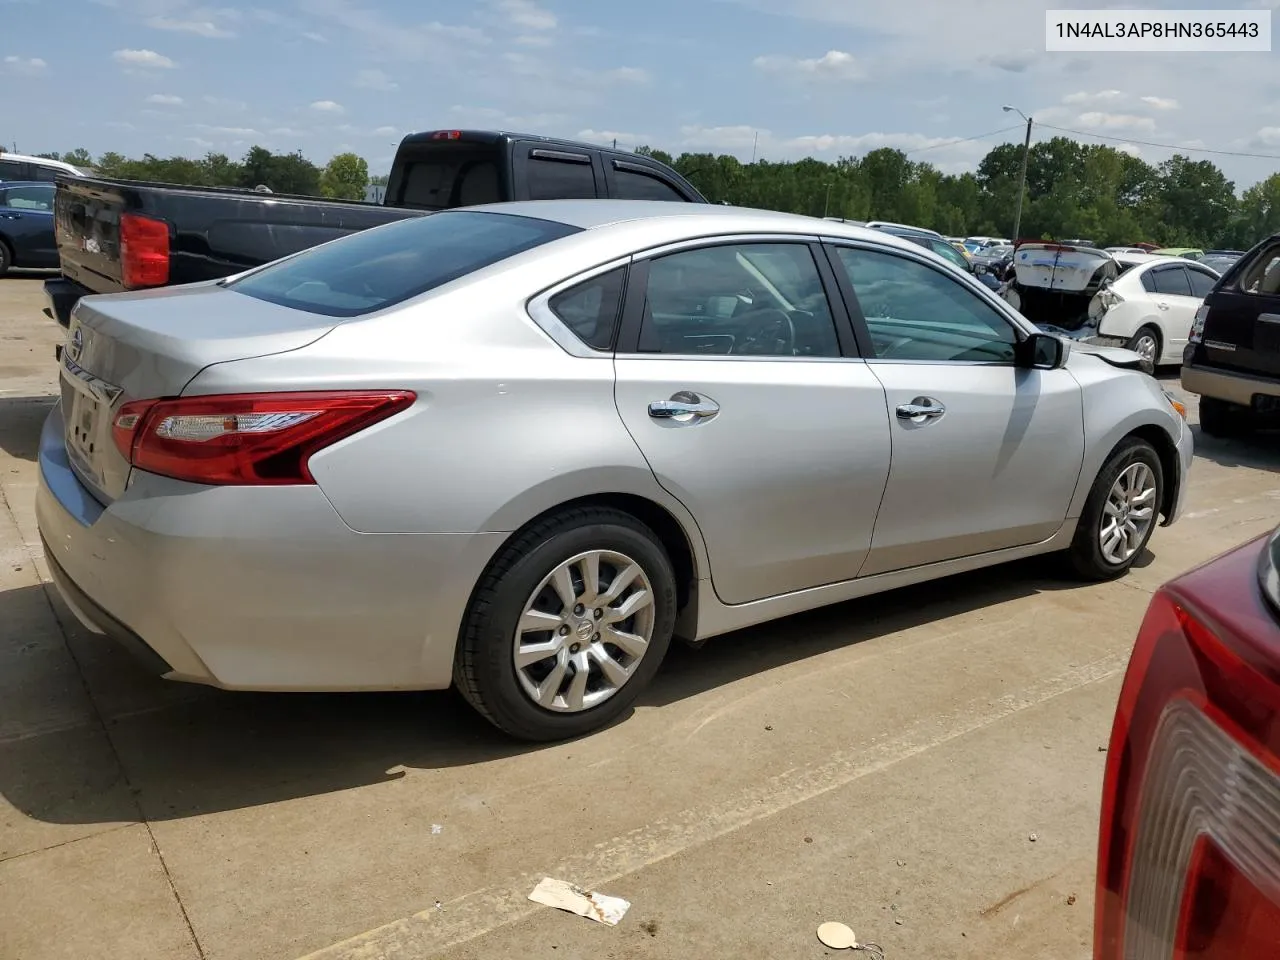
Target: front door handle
684,406
921,410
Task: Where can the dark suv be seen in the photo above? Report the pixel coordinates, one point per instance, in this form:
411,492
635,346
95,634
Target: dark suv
1232,358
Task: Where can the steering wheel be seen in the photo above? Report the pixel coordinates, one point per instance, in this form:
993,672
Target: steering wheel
763,331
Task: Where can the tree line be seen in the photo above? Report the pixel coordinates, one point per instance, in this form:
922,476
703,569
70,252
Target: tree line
1073,190
344,177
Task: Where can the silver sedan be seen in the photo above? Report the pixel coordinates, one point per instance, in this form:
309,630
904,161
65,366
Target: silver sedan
518,448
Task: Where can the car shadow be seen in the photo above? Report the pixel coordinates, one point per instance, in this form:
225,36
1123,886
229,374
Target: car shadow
20,421
186,750
1259,450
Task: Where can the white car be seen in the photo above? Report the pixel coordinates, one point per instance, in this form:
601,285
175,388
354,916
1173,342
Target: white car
1150,307
18,166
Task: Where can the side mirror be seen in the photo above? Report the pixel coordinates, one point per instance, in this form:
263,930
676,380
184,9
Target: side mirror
1043,351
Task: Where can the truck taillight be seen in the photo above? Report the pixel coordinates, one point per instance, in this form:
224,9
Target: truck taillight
246,439
1189,845
144,251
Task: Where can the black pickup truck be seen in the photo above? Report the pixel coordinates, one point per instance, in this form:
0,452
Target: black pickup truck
116,235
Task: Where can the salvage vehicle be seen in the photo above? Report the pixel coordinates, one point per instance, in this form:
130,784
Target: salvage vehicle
1188,859
356,468
116,235
1232,358
1150,307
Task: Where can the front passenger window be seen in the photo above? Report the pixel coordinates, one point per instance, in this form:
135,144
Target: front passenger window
916,312
742,299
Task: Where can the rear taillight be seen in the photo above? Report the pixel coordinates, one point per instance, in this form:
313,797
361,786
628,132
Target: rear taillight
249,439
1197,324
144,251
1189,847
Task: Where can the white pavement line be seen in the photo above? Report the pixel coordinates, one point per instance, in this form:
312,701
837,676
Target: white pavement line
474,914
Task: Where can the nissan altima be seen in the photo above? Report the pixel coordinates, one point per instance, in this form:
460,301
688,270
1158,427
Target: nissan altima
519,448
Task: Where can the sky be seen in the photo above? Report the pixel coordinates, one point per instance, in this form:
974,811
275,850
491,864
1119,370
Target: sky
783,78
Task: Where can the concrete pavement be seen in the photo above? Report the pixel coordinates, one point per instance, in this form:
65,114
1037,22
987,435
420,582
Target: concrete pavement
883,763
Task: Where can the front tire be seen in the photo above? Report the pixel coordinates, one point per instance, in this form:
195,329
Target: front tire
1120,514
1147,344
568,625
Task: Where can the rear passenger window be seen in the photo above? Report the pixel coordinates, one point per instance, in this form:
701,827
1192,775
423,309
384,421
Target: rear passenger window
12,170
1264,276
591,308
41,172
1172,281
631,185
561,179
1201,283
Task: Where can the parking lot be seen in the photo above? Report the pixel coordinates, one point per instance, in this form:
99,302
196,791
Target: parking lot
924,766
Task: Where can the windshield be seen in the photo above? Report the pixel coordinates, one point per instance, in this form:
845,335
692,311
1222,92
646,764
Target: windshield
381,267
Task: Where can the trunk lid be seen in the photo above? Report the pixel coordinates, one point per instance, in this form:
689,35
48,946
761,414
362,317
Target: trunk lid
151,344
1062,269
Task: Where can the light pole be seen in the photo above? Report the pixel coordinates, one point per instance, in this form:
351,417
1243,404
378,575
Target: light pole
826,204
1022,180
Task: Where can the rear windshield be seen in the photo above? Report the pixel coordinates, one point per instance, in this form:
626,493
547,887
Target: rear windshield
445,176
381,267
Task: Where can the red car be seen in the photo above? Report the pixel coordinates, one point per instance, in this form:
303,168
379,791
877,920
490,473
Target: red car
1189,852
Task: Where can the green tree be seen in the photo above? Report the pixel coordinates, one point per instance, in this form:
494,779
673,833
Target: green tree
345,177
79,157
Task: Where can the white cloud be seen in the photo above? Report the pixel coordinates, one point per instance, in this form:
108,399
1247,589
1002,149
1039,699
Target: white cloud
491,117
393,38
315,37
222,103
1011,61
165,99
288,132
143,58
1268,137
832,65
227,131
534,40
1097,120
1130,148
527,15
201,28
327,106
24,66
375,80
1102,96
386,132
200,142
627,75
1161,103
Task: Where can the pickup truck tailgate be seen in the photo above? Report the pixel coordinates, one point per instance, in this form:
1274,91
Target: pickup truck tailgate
87,229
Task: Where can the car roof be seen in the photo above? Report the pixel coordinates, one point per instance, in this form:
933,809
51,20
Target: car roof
40,161
712,218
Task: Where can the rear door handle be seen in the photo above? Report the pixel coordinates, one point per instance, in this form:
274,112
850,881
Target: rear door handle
921,410
684,406
1163,306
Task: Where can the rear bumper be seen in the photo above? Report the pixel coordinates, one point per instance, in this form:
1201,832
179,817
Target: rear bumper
255,588
1228,385
62,295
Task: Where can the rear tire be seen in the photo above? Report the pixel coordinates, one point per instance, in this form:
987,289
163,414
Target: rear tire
1147,344
1107,509
520,587
1218,418
6,258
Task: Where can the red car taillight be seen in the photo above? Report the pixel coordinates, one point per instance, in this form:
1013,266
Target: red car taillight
1189,846
144,251
250,439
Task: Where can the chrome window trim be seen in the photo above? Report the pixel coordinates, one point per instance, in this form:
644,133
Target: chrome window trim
539,310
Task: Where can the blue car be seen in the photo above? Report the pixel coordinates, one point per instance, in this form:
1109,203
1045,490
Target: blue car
26,225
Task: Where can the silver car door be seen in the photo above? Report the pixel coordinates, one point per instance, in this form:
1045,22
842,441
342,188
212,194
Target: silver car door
986,454
731,379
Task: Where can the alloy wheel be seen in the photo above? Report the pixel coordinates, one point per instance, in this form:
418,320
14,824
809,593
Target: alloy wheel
1128,514
584,631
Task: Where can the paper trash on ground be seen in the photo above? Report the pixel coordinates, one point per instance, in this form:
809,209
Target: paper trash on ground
585,903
